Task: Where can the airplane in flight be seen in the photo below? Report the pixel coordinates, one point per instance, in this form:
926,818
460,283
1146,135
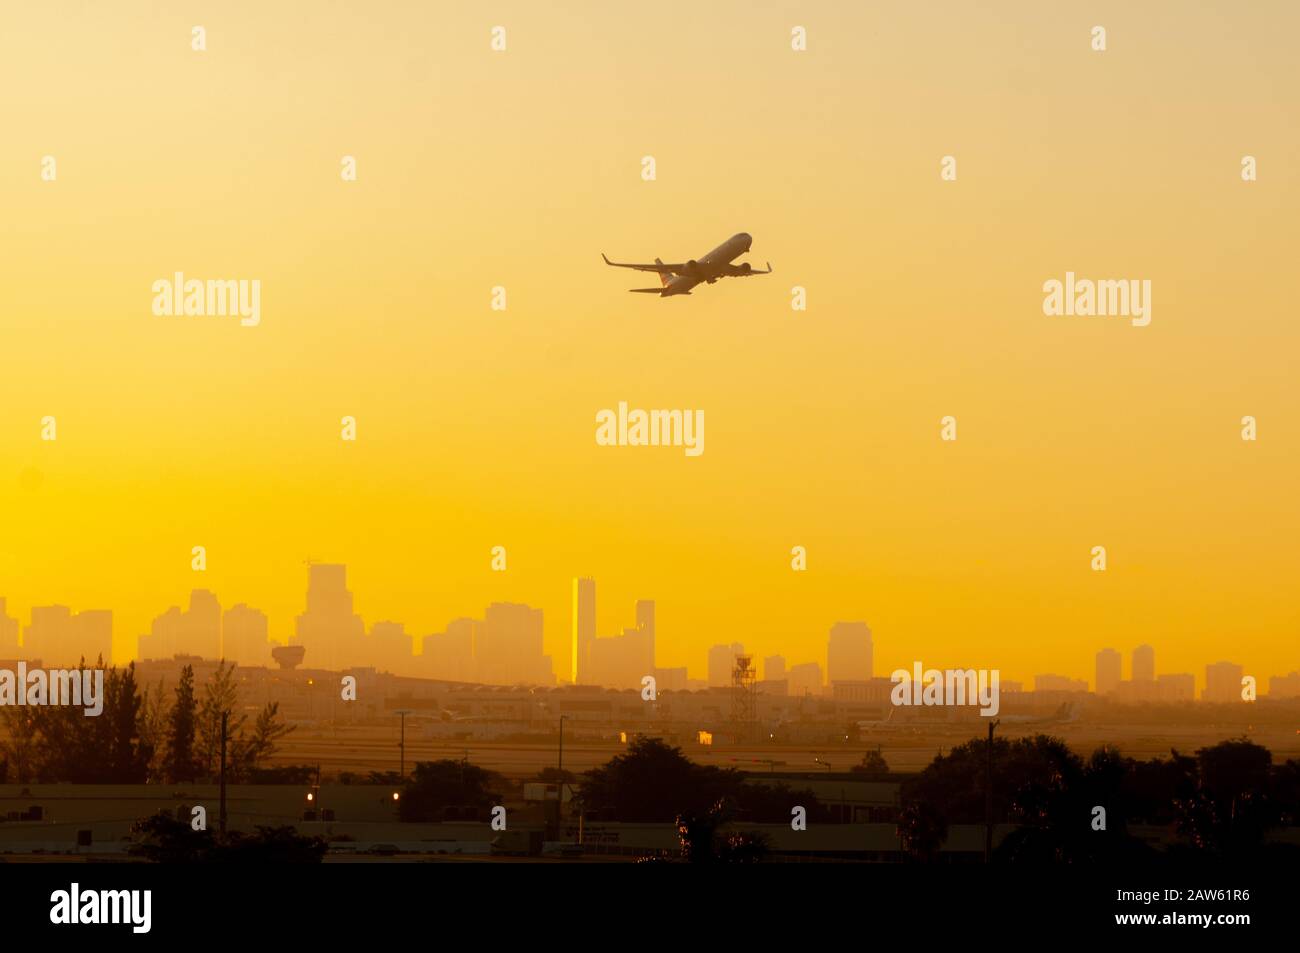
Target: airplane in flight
679,279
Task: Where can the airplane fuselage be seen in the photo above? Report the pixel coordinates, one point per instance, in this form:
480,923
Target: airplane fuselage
709,267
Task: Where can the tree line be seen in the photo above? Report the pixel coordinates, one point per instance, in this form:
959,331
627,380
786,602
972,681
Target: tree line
143,736
1219,803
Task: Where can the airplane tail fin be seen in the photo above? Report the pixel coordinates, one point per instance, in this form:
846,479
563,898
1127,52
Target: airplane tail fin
663,278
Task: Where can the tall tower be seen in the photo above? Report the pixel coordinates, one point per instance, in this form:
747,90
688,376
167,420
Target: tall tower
645,624
1144,664
744,698
848,653
8,633
1109,671
584,628
331,632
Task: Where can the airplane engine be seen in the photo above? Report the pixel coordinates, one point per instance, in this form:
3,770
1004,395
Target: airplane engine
693,267
746,267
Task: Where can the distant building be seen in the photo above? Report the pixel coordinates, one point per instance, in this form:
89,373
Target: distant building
244,636
58,636
1222,682
196,631
805,679
450,655
774,668
1059,683
721,660
1180,687
1109,671
671,679
1284,686
876,691
622,661
583,631
618,662
8,634
848,652
389,648
329,630
1144,664
509,650
645,626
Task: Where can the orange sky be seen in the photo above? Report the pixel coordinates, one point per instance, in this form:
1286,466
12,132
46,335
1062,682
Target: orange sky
517,168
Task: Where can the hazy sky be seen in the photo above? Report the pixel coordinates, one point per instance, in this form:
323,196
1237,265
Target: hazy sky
518,168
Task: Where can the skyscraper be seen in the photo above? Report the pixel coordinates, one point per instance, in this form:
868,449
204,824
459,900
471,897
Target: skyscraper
774,668
645,624
509,649
450,654
330,631
57,636
1222,682
244,636
389,648
1110,665
848,653
1144,664
197,631
721,660
584,628
8,634
805,679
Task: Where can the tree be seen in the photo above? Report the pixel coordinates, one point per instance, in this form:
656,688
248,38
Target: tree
436,785
654,782
220,694
873,765
169,840
128,757
248,752
269,845
267,731
21,747
152,730
180,764
921,830
166,839
1230,812
704,838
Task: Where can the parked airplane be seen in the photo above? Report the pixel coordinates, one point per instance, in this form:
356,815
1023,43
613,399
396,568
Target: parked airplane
679,279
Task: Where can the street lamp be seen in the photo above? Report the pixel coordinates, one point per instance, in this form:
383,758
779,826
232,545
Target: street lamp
559,799
561,767
401,771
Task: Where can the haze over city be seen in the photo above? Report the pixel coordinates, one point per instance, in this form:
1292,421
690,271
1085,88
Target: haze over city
505,645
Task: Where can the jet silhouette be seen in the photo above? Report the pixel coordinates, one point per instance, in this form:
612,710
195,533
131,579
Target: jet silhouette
679,279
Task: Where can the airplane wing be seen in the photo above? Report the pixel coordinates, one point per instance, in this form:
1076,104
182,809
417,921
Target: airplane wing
744,270
659,267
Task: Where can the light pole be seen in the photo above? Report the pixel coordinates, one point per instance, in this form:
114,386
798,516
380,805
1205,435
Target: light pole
401,770
225,715
561,768
988,797
559,798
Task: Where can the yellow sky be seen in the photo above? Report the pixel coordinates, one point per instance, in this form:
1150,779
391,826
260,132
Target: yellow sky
476,427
